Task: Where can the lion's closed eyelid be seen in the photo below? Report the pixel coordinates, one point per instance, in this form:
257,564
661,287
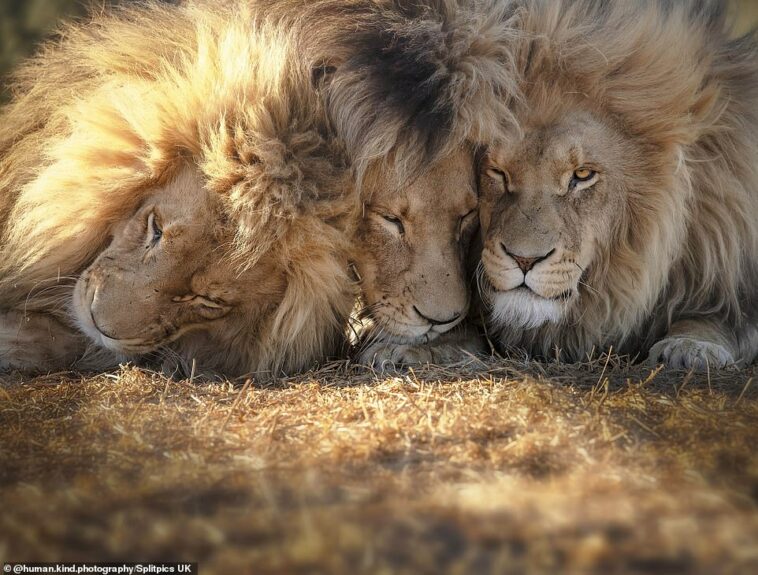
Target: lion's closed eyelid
497,173
199,299
394,221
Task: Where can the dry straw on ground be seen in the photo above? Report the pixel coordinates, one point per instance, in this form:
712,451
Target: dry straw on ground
492,467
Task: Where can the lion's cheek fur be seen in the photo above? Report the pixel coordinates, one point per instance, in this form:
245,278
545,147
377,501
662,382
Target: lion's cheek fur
302,325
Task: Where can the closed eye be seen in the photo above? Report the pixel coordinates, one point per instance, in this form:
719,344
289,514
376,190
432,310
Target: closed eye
467,215
208,308
466,218
209,303
498,176
199,299
154,230
395,221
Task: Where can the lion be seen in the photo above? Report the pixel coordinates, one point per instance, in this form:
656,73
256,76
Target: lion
167,262
411,90
622,213
416,92
188,206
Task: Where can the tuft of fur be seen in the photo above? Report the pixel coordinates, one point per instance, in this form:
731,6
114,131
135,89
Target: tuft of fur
422,79
125,99
672,80
406,82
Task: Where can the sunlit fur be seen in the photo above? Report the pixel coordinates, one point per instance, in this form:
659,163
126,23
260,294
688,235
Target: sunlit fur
417,86
684,244
111,112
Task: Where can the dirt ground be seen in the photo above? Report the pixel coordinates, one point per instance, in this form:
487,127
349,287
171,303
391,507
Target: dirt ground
490,467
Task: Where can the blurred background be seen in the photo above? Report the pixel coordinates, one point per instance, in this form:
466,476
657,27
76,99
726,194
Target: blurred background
23,23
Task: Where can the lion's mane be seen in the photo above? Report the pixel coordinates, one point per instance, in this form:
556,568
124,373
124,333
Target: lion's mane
275,100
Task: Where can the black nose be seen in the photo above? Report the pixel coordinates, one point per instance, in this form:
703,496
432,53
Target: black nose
436,321
525,263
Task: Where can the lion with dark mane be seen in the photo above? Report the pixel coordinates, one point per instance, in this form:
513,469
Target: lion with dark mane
622,211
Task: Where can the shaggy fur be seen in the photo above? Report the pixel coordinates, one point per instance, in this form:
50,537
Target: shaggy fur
423,79
408,87
111,113
417,86
682,249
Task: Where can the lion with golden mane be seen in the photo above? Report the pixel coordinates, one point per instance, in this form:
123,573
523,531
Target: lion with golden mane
420,88
623,211
169,186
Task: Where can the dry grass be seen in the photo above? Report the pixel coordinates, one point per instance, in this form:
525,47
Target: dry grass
503,467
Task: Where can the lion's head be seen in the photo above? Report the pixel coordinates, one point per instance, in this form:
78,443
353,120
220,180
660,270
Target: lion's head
619,205
412,242
170,280
167,272
413,88
241,263
551,204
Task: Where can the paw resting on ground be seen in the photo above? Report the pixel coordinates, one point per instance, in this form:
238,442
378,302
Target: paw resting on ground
385,356
389,355
690,353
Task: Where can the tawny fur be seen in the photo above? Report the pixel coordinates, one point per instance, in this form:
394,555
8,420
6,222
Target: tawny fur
418,88
685,247
411,88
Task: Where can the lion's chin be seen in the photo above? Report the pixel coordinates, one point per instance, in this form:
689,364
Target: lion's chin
522,308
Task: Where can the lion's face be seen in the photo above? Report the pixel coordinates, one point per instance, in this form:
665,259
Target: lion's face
550,202
165,274
412,240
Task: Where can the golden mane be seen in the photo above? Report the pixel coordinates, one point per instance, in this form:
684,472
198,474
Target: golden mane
274,101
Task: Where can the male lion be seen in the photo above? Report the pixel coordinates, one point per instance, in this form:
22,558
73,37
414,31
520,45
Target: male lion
623,212
413,89
413,240
178,195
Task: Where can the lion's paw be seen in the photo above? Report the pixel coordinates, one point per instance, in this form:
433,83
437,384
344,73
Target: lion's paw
386,356
687,353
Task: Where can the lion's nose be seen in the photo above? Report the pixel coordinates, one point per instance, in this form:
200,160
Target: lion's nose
524,262
432,321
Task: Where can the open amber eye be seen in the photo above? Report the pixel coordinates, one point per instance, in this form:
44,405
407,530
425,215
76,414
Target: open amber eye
584,174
